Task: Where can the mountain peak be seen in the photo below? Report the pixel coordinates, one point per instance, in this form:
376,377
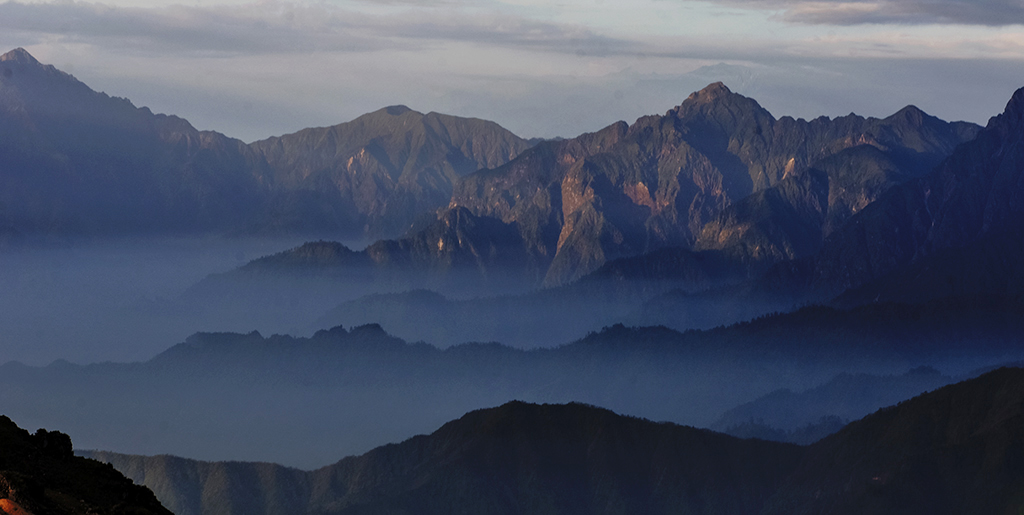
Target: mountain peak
911,114
20,56
19,61
397,110
710,93
911,110
1015,107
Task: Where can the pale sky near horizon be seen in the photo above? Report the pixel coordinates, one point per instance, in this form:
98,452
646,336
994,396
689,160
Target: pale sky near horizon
256,69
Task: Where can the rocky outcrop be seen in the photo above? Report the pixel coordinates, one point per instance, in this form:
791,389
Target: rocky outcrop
39,474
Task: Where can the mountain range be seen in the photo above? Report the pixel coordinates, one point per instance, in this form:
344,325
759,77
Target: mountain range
949,232
631,189
713,266
517,458
78,162
860,226
785,244
716,173
821,206
231,396
785,415
953,450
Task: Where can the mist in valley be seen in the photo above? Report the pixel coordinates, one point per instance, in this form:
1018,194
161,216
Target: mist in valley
93,300
147,366
210,348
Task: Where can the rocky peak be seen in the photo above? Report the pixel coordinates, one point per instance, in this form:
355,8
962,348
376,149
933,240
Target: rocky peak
18,68
1014,111
383,121
710,93
912,115
397,110
718,104
20,56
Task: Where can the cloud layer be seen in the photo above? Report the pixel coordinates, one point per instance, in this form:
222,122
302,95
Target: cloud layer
280,27
260,69
913,12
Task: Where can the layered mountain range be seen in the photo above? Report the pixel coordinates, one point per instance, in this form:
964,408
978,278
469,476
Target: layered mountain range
717,173
698,224
266,398
954,450
784,230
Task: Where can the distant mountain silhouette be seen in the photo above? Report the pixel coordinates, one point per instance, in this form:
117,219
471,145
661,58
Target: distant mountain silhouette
80,162
802,435
953,450
550,316
246,396
40,475
459,254
76,162
844,398
517,458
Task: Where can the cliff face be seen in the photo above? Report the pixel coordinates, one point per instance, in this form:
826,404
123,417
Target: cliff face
627,190
528,190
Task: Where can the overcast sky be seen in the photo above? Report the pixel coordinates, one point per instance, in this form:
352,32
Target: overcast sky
540,68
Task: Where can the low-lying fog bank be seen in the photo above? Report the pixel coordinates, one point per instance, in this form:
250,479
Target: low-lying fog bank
100,300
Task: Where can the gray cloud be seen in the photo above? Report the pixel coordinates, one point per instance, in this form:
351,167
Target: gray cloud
213,30
283,28
272,81
521,33
857,12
